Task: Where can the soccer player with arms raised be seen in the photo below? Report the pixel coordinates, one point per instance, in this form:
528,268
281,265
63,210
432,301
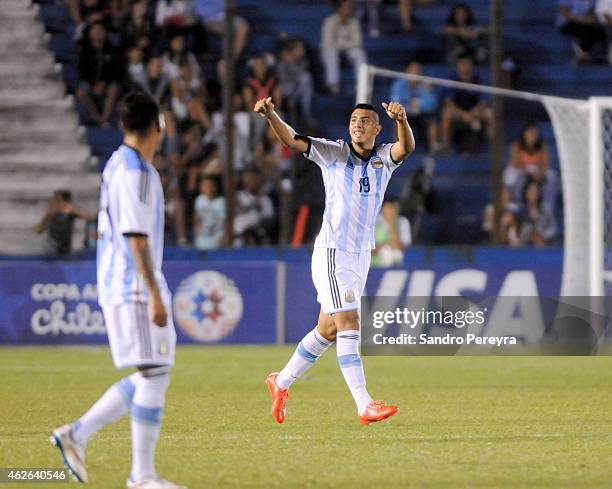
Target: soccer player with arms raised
355,176
134,297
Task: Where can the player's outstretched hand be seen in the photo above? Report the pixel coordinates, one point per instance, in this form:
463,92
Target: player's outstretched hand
158,311
264,107
395,110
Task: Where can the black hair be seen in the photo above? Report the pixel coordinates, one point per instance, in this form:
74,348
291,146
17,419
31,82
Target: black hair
184,60
252,169
364,107
532,181
522,141
468,10
467,55
138,111
336,4
215,180
66,195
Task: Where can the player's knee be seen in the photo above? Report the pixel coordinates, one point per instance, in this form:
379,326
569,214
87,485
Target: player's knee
347,322
328,331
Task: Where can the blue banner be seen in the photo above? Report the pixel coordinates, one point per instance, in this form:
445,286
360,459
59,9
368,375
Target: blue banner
46,302
56,302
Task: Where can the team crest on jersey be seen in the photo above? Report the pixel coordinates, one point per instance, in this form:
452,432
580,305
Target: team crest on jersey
377,163
208,306
349,296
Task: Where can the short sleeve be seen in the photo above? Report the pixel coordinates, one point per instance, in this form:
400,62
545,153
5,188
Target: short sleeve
135,202
200,203
385,153
322,151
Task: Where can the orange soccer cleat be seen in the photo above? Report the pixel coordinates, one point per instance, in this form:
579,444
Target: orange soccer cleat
377,412
279,398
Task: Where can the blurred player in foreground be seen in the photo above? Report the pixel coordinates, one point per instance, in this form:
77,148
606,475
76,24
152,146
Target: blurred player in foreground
134,297
355,175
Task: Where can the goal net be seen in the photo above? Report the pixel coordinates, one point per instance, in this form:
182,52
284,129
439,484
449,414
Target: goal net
580,138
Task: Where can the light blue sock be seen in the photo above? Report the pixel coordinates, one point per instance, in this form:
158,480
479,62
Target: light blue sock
349,359
308,351
113,404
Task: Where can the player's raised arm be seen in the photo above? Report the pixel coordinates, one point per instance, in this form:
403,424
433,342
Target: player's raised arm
265,108
405,144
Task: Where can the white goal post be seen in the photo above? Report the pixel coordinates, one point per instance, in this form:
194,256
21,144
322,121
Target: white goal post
583,134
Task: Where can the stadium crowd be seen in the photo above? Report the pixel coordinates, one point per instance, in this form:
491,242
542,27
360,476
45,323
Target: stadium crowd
161,47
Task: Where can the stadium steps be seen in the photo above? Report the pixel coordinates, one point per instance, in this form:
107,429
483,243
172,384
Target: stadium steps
42,147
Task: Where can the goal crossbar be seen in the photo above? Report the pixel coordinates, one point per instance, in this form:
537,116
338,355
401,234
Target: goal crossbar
367,71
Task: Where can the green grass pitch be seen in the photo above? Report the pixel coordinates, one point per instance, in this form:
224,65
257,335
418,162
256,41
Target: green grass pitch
464,422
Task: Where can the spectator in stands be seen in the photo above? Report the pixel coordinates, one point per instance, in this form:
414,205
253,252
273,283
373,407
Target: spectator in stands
405,12
373,7
528,222
254,218
174,16
462,37
212,16
273,157
243,150
208,215
188,98
509,226
58,222
393,235
341,35
175,232
529,159
296,83
421,102
84,13
604,14
577,19
215,137
178,53
261,82
136,70
155,81
418,195
463,109
137,28
537,224
100,72
215,87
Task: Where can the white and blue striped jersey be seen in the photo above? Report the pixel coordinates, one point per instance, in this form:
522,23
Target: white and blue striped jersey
354,192
131,202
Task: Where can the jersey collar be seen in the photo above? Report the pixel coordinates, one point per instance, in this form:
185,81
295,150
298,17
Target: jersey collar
135,151
361,156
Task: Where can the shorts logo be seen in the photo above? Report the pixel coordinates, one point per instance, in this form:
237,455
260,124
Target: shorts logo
208,306
377,163
349,296
163,348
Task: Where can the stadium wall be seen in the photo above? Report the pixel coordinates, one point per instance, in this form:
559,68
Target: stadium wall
230,298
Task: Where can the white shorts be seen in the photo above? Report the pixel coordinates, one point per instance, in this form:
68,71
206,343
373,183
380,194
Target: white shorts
340,278
134,339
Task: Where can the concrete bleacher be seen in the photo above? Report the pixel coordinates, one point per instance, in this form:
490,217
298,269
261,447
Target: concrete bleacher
542,54
42,148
